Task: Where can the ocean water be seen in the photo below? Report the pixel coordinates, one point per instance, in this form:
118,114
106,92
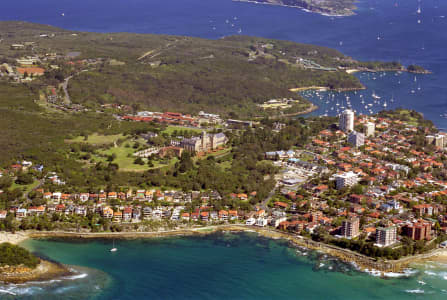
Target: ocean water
390,30
217,266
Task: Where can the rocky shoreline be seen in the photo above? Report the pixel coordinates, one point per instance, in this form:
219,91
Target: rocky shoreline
46,270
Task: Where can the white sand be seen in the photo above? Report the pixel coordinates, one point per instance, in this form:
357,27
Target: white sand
13,238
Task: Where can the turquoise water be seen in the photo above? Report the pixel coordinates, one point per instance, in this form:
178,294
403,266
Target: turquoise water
218,266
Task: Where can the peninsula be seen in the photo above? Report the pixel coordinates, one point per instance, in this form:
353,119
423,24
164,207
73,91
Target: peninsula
129,133
324,7
18,265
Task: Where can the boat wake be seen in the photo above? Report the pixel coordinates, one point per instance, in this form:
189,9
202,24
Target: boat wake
416,291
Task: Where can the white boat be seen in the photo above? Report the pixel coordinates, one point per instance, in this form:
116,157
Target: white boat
375,96
419,10
114,249
384,104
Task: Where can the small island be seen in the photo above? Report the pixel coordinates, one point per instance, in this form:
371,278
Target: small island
324,7
18,265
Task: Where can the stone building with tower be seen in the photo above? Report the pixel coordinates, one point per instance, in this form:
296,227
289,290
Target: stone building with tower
204,143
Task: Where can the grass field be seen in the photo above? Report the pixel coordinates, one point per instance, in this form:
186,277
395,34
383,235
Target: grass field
96,139
126,161
26,188
170,129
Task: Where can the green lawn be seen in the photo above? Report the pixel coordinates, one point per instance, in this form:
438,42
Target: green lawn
96,139
170,129
126,162
26,188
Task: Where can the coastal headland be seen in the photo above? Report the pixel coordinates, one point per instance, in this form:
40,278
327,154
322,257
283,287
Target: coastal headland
334,8
46,270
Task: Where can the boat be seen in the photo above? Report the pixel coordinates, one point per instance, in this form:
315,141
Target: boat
384,104
114,249
375,96
63,14
419,10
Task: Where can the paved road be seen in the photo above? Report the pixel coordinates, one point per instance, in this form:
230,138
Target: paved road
264,203
67,99
64,86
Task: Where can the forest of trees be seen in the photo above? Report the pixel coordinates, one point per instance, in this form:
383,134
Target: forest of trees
13,255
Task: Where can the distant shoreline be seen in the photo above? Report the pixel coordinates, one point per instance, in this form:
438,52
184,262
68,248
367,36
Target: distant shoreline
356,70
317,10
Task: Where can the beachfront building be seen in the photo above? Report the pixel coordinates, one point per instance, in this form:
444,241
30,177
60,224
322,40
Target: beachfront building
418,231
386,236
347,120
350,228
357,139
347,179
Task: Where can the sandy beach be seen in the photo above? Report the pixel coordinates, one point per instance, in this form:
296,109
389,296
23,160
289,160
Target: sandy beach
13,238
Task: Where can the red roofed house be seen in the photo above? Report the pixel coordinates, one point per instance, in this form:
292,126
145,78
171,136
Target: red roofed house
32,71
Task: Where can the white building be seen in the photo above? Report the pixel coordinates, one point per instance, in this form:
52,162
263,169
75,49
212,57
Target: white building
347,120
386,236
357,139
370,129
261,222
346,180
250,221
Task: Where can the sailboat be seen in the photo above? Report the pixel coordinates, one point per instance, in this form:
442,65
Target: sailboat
114,249
419,10
375,96
384,104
